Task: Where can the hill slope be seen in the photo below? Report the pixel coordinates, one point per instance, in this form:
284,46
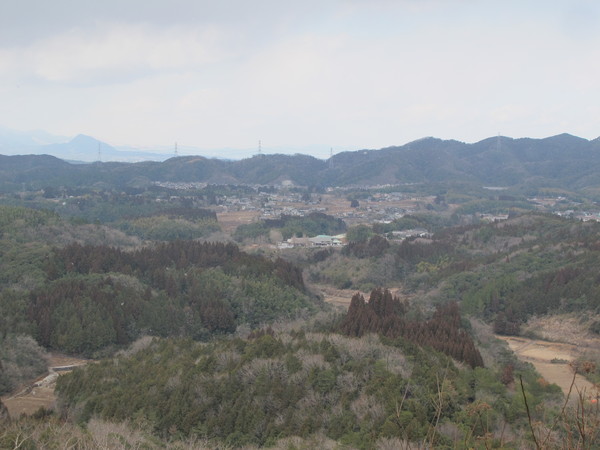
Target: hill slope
560,161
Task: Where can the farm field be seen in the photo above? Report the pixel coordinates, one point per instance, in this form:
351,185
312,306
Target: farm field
230,220
341,297
551,360
40,393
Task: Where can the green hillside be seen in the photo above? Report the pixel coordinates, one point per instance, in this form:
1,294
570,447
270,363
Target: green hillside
187,355
563,161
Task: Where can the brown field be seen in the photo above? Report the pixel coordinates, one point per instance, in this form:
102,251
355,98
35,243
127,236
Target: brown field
341,297
337,297
28,399
569,328
338,206
229,221
542,353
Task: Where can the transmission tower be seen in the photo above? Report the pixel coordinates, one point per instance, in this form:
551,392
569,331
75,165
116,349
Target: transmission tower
175,152
331,158
259,148
99,152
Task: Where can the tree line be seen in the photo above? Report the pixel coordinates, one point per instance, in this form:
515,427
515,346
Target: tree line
96,297
387,315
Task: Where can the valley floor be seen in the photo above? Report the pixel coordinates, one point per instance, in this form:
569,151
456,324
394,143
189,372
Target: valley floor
552,360
342,297
40,393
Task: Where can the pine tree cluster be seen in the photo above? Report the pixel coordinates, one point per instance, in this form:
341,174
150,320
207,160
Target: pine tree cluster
386,314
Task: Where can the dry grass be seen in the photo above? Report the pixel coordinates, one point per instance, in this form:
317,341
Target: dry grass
544,355
569,328
30,402
229,221
98,434
30,398
338,297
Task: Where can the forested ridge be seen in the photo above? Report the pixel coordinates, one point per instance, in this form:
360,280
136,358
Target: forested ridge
99,296
85,298
274,385
503,272
564,161
423,370
149,262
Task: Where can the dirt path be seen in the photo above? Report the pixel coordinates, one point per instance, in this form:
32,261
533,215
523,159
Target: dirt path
542,353
40,392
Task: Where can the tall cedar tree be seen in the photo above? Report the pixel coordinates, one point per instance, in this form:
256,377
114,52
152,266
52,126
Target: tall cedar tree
385,314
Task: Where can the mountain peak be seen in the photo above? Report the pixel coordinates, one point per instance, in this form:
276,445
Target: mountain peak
565,137
83,139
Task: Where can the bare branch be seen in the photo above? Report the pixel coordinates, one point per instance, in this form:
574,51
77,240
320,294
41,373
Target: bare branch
537,445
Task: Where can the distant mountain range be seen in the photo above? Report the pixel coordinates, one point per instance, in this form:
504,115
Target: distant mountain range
12,139
81,148
86,149
563,161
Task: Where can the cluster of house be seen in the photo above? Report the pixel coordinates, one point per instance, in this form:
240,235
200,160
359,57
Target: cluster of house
321,240
585,216
324,240
271,212
493,217
414,232
180,185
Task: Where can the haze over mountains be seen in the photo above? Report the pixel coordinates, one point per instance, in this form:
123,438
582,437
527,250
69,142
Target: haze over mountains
87,149
81,148
558,161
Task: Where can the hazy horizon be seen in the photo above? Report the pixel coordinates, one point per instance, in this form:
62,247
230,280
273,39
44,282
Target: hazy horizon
345,75
165,151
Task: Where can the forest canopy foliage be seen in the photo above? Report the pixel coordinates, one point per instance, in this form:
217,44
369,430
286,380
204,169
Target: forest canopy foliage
99,296
21,360
503,272
387,315
84,298
269,386
387,371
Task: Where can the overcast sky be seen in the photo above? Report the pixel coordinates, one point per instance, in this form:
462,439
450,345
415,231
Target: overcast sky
301,75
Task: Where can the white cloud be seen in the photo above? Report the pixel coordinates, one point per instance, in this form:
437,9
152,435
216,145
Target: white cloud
113,52
353,74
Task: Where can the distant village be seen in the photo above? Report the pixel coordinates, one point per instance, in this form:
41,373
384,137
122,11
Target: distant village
245,204
268,205
376,207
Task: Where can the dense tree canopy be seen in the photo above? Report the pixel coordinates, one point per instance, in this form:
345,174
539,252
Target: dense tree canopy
386,314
